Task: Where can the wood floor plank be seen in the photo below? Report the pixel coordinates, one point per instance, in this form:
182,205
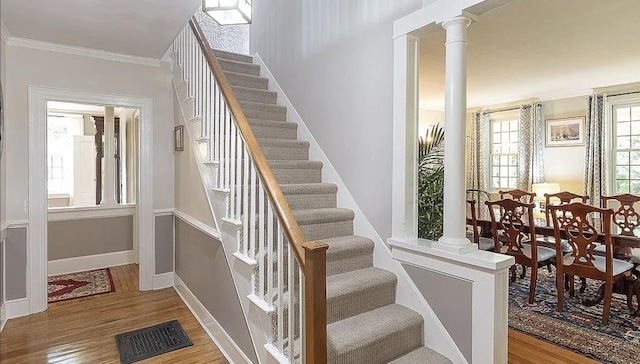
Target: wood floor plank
83,331
525,349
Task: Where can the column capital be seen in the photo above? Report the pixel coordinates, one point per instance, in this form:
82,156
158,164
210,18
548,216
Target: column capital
465,18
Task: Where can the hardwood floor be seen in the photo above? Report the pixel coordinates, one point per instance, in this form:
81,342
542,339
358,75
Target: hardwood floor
524,349
83,330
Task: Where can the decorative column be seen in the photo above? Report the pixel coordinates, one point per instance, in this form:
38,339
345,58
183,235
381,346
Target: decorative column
454,238
109,165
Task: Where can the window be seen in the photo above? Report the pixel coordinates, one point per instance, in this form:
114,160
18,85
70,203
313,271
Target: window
61,130
626,142
504,152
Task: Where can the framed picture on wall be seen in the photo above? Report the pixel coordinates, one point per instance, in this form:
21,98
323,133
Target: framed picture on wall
178,138
565,132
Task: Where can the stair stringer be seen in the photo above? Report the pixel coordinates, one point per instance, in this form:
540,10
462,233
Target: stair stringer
435,335
258,321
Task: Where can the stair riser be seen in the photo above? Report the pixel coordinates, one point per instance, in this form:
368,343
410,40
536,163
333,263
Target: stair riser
288,176
264,112
326,230
248,81
276,153
246,68
233,56
311,201
274,132
342,264
253,95
342,307
382,351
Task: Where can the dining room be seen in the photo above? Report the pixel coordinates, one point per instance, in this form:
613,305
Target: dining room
554,117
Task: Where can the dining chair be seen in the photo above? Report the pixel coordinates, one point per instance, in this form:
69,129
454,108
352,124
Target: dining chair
515,224
561,198
474,235
625,217
575,221
517,194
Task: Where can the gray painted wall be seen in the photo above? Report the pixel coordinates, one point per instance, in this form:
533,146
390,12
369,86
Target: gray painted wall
16,263
164,244
202,264
82,237
450,299
1,273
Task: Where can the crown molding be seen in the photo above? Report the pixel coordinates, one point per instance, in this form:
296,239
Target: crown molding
565,94
80,51
4,32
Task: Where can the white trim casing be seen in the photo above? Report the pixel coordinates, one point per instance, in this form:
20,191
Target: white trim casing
216,332
3,316
80,51
198,224
163,280
16,308
93,212
163,212
38,211
90,262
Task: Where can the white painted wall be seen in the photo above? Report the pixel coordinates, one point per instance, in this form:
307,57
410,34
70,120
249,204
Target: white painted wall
428,118
565,165
334,59
34,67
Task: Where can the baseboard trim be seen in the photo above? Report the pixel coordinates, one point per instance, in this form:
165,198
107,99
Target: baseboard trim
89,262
163,280
3,316
16,308
226,345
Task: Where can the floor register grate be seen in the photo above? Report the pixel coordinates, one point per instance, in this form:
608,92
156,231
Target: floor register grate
151,341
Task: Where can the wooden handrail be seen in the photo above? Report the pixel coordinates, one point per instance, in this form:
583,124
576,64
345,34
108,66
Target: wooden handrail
310,255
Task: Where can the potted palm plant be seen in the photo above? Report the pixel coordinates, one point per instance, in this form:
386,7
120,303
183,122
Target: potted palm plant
431,183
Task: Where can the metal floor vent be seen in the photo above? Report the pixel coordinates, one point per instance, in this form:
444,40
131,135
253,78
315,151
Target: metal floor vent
151,341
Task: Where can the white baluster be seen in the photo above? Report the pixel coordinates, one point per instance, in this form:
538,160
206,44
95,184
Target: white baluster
269,254
291,312
232,163
252,212
238,200
245,200
261,232
280,317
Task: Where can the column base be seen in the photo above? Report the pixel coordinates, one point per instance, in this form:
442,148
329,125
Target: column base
453,245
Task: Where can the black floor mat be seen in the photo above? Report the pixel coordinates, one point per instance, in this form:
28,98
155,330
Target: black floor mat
151,341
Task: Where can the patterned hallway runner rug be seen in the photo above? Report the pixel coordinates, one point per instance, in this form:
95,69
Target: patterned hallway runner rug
579,328
81,284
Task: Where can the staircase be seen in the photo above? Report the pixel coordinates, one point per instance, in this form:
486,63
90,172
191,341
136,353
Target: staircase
365,325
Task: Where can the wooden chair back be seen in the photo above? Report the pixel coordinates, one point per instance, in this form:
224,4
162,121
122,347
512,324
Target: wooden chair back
625,216
565,197
519,195
473,220
515,224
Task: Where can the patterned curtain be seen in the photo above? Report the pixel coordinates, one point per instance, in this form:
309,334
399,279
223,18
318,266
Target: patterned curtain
478,144
595,154
530,163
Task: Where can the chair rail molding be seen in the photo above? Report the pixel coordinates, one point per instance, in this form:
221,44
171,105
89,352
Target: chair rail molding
38,211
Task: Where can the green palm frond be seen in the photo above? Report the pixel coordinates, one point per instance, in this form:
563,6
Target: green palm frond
431,183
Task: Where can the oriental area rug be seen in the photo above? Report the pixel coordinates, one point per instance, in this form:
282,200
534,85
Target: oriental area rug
81,284
579,328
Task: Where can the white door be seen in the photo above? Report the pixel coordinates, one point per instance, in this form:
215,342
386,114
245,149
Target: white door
84,171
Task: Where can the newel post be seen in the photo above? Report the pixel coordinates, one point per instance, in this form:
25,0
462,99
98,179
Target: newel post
315,302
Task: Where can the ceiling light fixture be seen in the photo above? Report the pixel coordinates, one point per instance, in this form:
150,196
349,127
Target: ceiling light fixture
227,12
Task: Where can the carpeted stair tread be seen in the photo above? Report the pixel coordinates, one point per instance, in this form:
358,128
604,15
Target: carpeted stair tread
239,67
422,355
257,110
274,129
319,216
283,143
233,56
359,291
244,80
310,195
255,95
296,171
308,188
376,336
347,253
284,149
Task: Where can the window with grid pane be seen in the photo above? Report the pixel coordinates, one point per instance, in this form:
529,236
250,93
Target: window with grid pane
626,121
504,153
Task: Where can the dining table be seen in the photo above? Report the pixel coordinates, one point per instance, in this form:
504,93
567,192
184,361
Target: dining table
622,249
